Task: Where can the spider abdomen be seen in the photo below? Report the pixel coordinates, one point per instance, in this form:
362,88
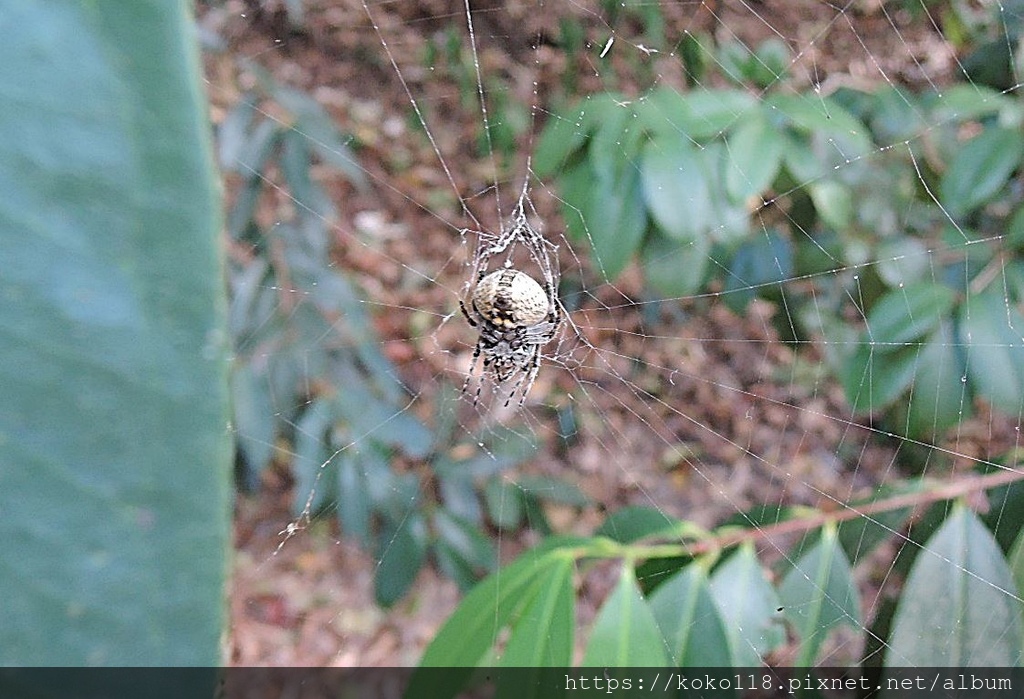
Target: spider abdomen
509,298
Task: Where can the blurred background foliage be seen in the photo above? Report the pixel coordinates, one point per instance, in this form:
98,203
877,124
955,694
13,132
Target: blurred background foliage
312,389
887,221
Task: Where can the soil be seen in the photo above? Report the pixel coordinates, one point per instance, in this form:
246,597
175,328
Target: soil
310,602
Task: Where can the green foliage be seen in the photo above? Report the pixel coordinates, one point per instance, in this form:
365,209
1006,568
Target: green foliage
977,623
874,201
448,57
959,605
115,464
309,373
818,594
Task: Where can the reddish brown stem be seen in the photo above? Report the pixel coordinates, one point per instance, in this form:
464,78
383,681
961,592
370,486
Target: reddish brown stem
943,491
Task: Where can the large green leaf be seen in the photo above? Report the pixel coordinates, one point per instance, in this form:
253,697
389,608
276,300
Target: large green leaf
812,113
834,203
818,594
542,636
674,268
906,313
995,353
755,156
689,620
959,606
115,460
473,628
748,606
613,219
939,398
676,188
625,633
637,522
980,168
872,379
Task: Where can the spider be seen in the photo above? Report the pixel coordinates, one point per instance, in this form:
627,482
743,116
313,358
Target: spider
514,314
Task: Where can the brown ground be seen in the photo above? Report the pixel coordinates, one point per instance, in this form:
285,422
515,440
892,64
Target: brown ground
310,602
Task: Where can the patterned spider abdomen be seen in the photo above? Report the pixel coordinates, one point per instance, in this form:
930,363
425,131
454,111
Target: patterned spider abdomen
509,298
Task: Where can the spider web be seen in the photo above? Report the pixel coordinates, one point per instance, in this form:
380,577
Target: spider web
681,403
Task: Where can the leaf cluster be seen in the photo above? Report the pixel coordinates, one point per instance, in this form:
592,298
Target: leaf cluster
719,607
311,387
886,223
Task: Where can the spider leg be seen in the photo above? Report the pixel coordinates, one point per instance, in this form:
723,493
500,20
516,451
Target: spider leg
480,383
531,375
469,375
469,318
528,375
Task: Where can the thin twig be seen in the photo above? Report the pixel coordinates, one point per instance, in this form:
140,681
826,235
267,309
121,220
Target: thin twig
944,491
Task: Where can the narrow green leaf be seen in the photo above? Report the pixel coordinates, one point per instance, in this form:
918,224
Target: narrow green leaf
695,54
731,222
474,626
818,594
958,607
905,314
625,633
1016,562
354,500
664,113
115,465
689,621
504,503
254,425
311,457
254,153
452,564
609,151
764,261
296,162
406,432
466,539
755,155
313,122
1015,229
991,328
233,132
401,551
543,634
980,168
894,114
902,261
771,63
459,493
748,606
735,59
